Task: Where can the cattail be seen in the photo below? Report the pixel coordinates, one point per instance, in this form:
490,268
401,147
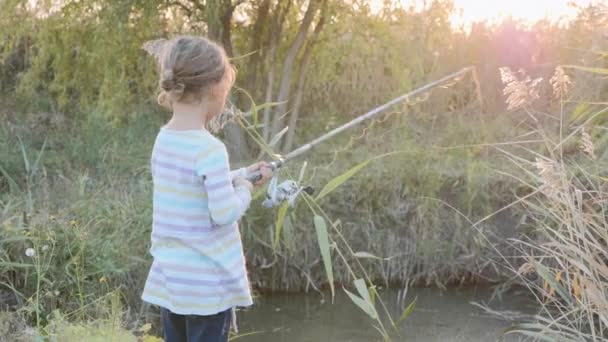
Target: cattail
560,82
520,91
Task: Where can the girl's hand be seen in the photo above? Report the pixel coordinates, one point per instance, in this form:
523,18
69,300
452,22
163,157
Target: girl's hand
242,182
264,168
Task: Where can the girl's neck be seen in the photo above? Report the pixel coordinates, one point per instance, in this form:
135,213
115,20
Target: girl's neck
187,117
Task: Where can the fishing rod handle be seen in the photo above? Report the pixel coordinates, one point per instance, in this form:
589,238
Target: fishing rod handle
255,177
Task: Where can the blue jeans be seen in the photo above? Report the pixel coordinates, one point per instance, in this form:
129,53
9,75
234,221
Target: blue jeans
193,328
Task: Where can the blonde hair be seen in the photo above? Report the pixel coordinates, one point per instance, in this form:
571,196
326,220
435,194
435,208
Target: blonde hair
189,67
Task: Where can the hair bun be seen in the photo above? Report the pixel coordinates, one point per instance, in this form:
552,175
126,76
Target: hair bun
172,84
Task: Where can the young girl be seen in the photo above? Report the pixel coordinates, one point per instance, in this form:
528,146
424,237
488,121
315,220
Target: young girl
198,274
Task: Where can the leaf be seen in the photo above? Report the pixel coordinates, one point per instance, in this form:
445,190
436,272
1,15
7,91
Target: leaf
362,289
26,162
288,234
550,279
408,310
13,186
372,294
278,137
302,171
35,166
337,181
279,225
363,305
266,105
601,71
536,330
323,239
14,239
366,255
14,264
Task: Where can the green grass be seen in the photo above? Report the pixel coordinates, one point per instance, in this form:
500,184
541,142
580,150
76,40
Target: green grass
79,194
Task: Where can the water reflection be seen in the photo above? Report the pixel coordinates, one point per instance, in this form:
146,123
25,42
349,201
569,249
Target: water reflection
439,316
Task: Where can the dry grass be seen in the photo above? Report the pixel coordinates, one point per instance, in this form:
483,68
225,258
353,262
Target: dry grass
565,258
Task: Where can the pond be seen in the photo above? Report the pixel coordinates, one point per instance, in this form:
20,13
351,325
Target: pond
438,316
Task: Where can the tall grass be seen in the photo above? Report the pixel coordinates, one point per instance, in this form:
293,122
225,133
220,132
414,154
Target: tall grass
564,258
84,209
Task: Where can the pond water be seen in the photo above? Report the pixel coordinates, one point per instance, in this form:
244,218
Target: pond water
438,316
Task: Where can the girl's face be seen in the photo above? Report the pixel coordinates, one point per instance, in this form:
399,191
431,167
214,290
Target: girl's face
219,94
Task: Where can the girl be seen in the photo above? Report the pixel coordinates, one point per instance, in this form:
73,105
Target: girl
198,274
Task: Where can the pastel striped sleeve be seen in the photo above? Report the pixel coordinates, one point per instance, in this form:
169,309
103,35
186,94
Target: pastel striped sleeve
241,172
226,202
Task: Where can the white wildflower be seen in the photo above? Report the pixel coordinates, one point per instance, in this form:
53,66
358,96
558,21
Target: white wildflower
45,248
30,252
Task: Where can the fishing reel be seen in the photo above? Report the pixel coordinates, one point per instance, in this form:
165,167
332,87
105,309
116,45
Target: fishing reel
277,193
287,191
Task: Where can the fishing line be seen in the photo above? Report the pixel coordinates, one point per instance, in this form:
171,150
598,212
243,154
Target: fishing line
287,191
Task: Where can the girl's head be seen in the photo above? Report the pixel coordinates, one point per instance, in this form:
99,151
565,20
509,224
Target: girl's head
196,71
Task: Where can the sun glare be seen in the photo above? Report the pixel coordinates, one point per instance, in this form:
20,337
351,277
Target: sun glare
492,11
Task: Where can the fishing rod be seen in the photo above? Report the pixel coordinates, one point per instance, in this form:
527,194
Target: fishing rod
288,189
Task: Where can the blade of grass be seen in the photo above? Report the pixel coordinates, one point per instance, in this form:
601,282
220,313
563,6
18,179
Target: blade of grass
362,304
339,180
279,225
408,310
323,239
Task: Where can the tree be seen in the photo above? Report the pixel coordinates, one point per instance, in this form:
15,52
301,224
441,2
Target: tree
288,65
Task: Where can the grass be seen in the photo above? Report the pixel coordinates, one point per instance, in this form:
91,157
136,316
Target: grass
564,262
426,215
81,201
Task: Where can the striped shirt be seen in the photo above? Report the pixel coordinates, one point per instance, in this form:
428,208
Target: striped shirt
199,266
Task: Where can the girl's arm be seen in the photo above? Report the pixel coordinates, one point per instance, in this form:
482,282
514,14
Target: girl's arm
240,172
227,202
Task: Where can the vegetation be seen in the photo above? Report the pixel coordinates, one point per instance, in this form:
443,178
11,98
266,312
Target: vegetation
470,181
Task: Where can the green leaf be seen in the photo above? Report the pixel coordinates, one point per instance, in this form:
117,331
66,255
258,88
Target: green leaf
364,292
13,186
362,289
363,305
337,181
408,310
372,294
302,171
26,161
40,153
279,224
323,239
15,239
14,264
601,71
288,234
